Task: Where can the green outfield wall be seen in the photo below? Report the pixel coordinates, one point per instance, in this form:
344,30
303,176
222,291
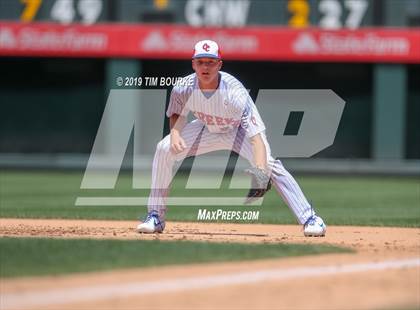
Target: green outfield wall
55,105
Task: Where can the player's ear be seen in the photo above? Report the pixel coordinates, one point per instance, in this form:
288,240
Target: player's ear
193,64
220,64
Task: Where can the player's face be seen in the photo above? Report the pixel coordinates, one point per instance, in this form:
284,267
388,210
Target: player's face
207,69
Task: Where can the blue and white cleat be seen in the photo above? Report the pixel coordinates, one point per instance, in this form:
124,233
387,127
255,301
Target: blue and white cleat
152,224
314,227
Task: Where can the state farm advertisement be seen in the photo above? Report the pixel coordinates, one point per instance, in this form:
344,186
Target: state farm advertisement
176,42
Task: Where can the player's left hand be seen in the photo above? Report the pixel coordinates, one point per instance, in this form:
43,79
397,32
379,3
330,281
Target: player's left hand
260,184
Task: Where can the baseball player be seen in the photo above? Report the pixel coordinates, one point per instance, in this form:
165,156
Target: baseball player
226,119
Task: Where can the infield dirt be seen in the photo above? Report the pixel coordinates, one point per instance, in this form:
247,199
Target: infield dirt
387,289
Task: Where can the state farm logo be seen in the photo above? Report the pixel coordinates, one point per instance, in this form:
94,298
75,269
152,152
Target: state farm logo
30,38
7,38
329,43
181,41
306,44
155,41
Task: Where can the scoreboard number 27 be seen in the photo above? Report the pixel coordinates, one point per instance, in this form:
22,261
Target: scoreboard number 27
330,11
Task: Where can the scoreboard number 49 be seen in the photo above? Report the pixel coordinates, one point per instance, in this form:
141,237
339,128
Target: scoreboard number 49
65,11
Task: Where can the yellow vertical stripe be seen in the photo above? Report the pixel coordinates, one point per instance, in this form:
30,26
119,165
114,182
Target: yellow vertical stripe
30,9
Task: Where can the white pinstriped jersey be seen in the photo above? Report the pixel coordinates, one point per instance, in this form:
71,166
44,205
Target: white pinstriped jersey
224,110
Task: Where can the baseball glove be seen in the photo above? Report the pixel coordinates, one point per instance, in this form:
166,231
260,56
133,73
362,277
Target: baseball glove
260,184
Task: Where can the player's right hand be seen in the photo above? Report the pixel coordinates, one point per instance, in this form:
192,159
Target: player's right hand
177,144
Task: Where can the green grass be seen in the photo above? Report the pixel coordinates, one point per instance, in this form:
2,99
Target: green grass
382,201
39,256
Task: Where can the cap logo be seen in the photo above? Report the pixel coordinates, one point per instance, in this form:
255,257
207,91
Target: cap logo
206,47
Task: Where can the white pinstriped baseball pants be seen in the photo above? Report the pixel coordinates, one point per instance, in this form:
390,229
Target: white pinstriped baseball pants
200,141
